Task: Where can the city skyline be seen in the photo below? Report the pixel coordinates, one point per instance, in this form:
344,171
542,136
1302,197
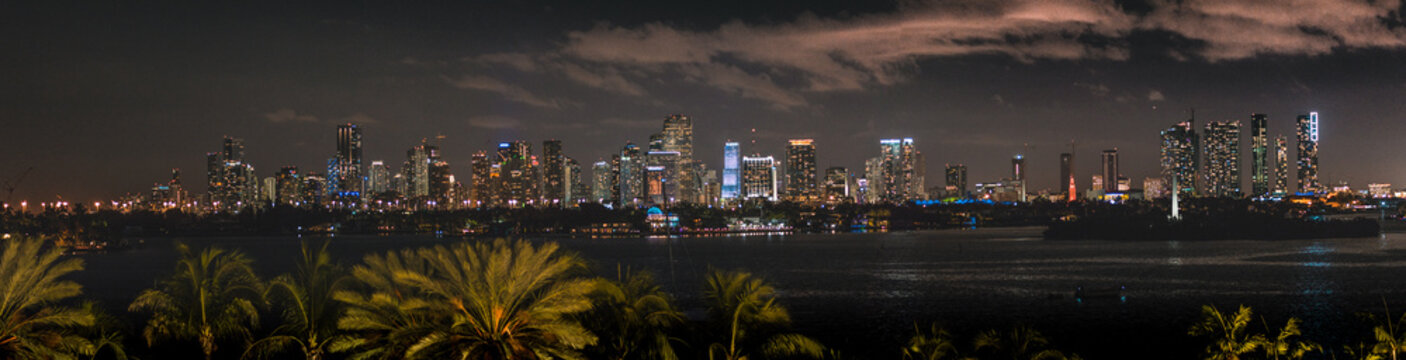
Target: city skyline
98,121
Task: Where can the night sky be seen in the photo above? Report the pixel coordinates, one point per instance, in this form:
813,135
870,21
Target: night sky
105,97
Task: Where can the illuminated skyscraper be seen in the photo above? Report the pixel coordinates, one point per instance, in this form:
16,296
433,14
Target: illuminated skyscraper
837,185
631,175
873,189
231,182
289,186
667,168
1110,171
800,171
1223,159
1308,153
416,172
1281,164
1066,177
1179,160
732,174
1259,155
759,177
956,180
349,170
678,137
1018,167
900,170
517,180
481,184
378,178
553,172
314,188
601,186
577,190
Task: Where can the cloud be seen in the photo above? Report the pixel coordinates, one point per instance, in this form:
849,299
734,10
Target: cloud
1155,95
1239,29
1099,90
511,92
638,123
289,115
494,122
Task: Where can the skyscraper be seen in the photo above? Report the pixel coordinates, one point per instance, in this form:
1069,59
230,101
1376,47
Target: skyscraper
873,189
1281,165
900,170
600,187
836,185
800,171
678,137
956,180
553,172
481,186
759,177
416,171
1179,160
1223,159
1259,153
378,178
517,184
1308,153
1066,177
289,186
732,174
1110,171
1018,167
349,170
631,175
231,182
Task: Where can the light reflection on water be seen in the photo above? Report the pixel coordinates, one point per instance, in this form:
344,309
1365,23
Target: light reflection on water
883,283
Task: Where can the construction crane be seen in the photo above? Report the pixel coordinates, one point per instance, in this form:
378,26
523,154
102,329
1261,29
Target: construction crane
13,183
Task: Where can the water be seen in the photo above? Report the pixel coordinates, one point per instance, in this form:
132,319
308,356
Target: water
863,293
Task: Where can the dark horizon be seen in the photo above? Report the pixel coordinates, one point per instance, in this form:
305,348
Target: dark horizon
106,99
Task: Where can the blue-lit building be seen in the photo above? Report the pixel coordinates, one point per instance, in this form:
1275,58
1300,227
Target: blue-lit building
732,174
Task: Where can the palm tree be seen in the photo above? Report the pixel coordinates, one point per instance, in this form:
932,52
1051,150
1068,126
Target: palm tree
1021,343
506,300
31,326
1228,333
743,305
933,345
384,317
633,317
211,297
1388,334
1286,345
310,314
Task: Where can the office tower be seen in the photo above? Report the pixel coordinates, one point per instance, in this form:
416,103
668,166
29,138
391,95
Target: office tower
481,183
711,188
956,180
656,185
836,185
553,172
289,186
631,175
732,174
1281,164
268,191
348,176
874,180
900,172
1222,149
601,187
178,192
441,178
231,182
1179,160
1154,188
1259,155
1066,177
1018,167
801,172
759,177
314,186
378,178
571,182
1110,171
233,149
669,166
416,172
614,179
517,184
214,175
678,137
917,188
1308,153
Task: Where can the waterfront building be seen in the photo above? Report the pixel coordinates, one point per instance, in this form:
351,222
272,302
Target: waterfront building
349,171
837,188
1110,171
801,171
1308,153
518,172
1259,155
759,177
554,184
901,175
1222,149
1281,165
956,175
631,175
481,182
1179,160
732,173
601,184
288,186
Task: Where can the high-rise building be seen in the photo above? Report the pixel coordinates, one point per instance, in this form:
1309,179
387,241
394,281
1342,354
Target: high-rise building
1281,165
1259,155
1066,177
631,175
837,185
732,174
577,190
711,188
268,191
1154,188
1110,170
517,184
759,177
1179,160
1222,149
801,171
678,137
231,182
615,179
554,183
601,187
900,176
1308,153
956,180
667,168
349,170
1018,167
873,189
481,186
314,187
289,186
378,178
416,172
